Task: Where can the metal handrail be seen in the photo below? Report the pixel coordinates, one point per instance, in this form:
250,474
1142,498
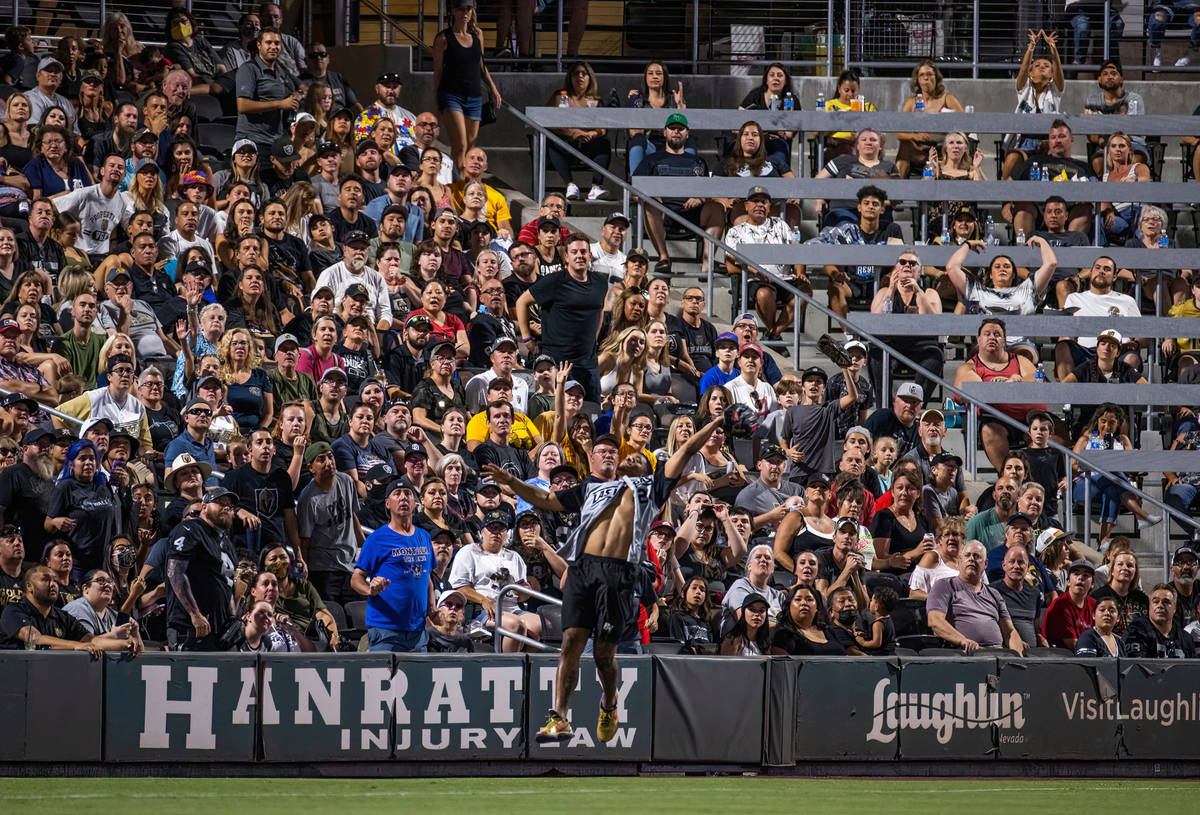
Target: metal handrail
501,632
58,414
847,324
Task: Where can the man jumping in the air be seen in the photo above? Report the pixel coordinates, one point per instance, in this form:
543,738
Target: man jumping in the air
604,553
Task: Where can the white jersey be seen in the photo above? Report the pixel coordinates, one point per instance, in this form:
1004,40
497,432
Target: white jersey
591,498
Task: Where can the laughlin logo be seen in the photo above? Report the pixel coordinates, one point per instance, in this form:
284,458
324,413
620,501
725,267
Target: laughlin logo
942,712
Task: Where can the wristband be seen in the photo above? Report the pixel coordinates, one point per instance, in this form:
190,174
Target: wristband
526,339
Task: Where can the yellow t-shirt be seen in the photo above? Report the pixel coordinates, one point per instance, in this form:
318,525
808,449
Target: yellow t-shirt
838,104
521,436
1185,309
627,449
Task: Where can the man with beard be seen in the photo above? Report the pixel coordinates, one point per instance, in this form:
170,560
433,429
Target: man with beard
266,91
267,493
12,565
1183,580
37,621
200,567
931,431
288,259
988,526
387,96
25,486
118,141
900,420
605,553
353,270
1099,300
1114,100
404,353
443,552
523,258
368,164
1158,635
81,346
99,208
330,533
242,49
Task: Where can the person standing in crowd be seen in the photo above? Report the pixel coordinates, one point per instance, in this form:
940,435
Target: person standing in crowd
267,93
200,566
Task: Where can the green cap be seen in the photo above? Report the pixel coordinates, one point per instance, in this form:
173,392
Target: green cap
315,449
676,119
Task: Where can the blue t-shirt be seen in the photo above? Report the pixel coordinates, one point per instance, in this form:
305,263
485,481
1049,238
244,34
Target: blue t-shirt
715,376
42,177
407,561
246,399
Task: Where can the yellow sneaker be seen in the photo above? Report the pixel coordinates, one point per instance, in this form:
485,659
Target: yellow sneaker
606,725
556,728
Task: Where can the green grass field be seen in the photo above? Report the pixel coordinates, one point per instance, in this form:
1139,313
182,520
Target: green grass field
583,796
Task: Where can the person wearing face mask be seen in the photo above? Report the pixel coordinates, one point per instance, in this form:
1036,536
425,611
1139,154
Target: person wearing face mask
354,270
242,49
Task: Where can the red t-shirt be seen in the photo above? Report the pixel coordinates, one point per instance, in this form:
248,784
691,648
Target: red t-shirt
1064,620
442,332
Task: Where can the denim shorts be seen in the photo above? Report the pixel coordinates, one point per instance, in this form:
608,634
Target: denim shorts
387,639
469,106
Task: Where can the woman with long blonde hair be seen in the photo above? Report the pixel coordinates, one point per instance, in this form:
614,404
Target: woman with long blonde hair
249,390
623,359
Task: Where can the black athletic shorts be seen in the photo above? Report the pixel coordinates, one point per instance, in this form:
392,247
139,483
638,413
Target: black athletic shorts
600,595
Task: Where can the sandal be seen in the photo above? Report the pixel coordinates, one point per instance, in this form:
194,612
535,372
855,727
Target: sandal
663,266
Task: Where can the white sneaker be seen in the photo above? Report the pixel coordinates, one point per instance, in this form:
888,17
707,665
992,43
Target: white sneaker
1156,57
597,193
1182,61
572,191
1151,520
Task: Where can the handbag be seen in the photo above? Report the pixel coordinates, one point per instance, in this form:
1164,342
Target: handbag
488,114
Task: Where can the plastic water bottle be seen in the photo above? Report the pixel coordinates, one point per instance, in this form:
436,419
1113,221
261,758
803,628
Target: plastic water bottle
1040,375
1020,237
1162,239
945,236
796,235
1035,172
919,106
1095,442
820,101
789,101
563,101
512,44
991,231
927,173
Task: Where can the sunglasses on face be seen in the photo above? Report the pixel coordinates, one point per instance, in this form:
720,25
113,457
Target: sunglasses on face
907,262
199,412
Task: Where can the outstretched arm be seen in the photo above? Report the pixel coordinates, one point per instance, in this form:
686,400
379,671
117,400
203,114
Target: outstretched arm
1041,278
537,496
675,464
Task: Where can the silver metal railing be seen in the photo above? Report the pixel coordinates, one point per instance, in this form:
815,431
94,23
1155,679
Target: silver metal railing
58,414
501,632
851,324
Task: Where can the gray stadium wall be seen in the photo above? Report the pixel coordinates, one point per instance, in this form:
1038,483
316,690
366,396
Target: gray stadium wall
770,713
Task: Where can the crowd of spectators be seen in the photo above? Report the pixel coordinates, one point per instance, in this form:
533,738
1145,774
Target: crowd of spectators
248,396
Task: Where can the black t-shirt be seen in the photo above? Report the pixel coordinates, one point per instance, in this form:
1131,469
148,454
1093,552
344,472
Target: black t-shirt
342,228
808,541
165,425
827,568
97,514
548,265
24,497
287,260
349,456
883,422
57,623
683,627
664,164
403,369
267,496
48,255
1074,168
509,459
886,525
514,287
796,644
1046,468
699,340
1134,603
208,555
359,365
879,236
11,588
571,312
440,643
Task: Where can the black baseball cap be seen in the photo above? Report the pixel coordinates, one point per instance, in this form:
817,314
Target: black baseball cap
35,435
501,516
548,222
364,145
214,494
815,371
772,450
1019,516
357,290
329,148
356,236
389,77
414,449
21,399
283,150
945,458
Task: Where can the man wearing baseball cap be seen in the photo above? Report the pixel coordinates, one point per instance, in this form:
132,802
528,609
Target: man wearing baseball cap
46,95
388,86
900,420
353,269
19,376
747,387
725,349
746,328
25,487
809,430
393,571
774,304
674,161
199,593
608,255
502,353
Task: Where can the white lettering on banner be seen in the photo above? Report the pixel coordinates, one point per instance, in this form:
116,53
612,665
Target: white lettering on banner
378,699
447,692
942,712
312,690
270,713
502,681
1183,708
582,737
241,713
197,707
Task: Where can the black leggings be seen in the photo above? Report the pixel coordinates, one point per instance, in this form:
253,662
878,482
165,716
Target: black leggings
597,149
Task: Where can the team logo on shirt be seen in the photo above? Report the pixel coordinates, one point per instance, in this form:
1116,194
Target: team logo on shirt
267,501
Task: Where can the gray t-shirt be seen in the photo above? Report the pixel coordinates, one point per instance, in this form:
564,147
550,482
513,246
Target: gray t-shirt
1024,608
759,498
143,327
813,430
327,518
737,594
82,610
974,614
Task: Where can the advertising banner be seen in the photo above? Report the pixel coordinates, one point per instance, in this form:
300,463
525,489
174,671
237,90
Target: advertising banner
635,707
455,707
692,704
1069,707
181,707
328,707
838,713
945,708
1159,714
